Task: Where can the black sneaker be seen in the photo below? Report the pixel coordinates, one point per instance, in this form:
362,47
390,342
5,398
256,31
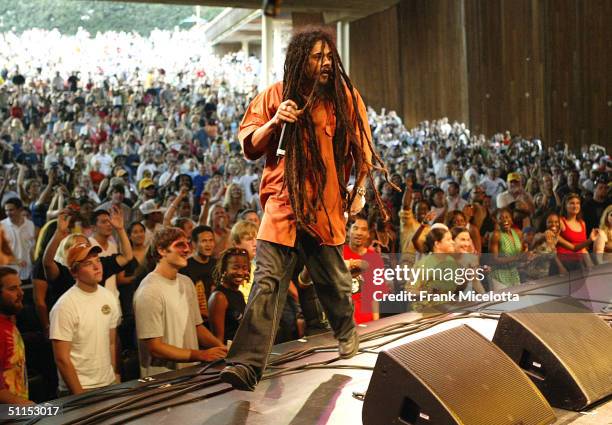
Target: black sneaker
239,376
348,347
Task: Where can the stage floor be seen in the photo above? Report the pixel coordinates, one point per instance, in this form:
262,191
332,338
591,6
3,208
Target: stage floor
327,396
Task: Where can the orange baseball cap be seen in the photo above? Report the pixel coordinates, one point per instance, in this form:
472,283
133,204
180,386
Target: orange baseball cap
79,252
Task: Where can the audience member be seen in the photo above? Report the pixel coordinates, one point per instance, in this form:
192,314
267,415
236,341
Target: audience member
13,374
168,321
91,132
84,326
227,303
201,265
20,233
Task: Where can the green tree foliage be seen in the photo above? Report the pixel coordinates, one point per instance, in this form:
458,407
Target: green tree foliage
68,15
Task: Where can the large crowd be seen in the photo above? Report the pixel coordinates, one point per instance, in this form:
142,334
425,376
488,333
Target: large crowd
118,141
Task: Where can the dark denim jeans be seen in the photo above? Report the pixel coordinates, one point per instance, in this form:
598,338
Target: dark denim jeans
274,267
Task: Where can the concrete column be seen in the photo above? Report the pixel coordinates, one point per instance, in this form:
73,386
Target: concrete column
245,47
267,51
343,41
277,55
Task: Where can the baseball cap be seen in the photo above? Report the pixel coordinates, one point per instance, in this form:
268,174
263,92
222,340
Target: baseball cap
144,183
513,176
150,207
79,252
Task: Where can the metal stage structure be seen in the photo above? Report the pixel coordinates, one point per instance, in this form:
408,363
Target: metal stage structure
316,387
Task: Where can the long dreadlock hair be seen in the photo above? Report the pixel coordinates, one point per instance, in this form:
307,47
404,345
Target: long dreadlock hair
303,162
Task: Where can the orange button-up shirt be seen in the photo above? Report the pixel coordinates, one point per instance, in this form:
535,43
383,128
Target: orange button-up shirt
278,224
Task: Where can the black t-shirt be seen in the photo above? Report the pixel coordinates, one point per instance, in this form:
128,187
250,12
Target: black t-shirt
234,312
38,273
73,81
199,271
64,281
592,211
126,292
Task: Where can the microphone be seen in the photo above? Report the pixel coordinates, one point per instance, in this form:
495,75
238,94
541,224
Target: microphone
280,151
286,128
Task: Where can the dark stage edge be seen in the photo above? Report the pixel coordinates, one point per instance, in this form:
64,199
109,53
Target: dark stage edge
325,396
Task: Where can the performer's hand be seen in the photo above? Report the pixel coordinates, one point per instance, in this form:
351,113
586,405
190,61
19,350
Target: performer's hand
287,112
358,204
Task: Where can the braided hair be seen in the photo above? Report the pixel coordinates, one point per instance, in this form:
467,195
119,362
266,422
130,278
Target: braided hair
302,150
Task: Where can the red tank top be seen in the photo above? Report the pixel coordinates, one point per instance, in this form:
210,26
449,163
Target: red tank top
572,236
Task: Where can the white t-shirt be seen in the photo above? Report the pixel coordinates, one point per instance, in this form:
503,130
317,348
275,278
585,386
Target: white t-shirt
58,83
493,187
145,166
504,199
106,162
245,181
456,204
85,319
21,239
168,309
167,176
149,233
111,249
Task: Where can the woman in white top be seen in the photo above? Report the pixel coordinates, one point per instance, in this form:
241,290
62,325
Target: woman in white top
603,243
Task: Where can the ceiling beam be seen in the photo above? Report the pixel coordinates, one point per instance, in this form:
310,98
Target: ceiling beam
355,7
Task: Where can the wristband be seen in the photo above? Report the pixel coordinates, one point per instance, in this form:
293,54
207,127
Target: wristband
301,281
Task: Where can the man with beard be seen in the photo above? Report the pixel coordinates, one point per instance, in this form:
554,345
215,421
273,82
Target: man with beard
313,130
168,321
515,192
13,375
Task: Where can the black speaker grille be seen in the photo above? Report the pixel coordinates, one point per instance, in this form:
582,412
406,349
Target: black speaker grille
581,341
476,381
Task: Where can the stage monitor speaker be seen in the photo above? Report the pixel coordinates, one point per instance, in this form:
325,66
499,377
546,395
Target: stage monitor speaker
564,348
449,378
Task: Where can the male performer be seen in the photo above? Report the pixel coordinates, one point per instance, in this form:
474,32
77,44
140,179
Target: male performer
304,195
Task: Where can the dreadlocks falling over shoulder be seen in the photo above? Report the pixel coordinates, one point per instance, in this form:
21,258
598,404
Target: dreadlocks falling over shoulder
351,140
